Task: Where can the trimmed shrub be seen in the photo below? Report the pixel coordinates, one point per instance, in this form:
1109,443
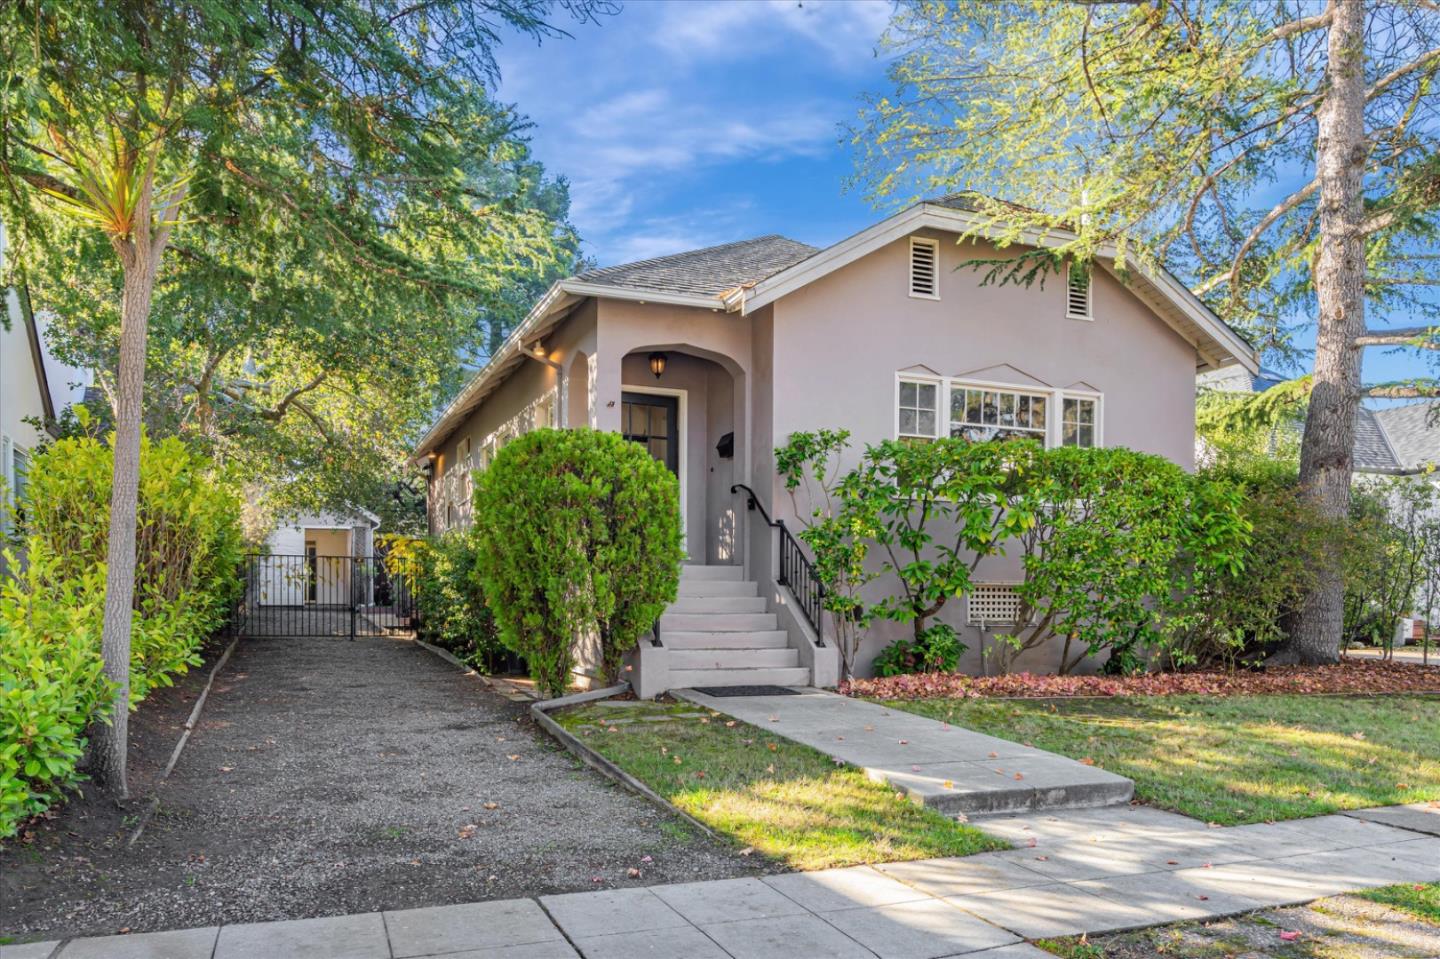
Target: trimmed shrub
188,544
444,579
189,547
578,536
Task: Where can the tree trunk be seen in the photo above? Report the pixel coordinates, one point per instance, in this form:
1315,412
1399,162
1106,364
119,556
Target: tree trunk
1326,451
109,742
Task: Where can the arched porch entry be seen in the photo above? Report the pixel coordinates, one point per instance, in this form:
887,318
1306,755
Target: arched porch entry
691,417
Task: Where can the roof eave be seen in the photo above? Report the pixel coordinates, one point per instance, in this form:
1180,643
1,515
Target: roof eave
940,217
562,296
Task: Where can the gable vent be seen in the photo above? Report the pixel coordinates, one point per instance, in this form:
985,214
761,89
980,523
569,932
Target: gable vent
1077,295
924,268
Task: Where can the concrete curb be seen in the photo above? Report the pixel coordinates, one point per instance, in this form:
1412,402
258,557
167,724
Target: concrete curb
598,762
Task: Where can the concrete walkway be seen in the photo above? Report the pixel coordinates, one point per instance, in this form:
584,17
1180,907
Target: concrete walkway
1074,871
949,768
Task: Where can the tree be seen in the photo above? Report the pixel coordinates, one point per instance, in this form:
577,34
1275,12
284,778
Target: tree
343,165
1281,156
581,545
837,526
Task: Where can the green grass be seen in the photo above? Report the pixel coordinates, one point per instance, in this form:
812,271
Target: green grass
1236,759
782,799
1420,900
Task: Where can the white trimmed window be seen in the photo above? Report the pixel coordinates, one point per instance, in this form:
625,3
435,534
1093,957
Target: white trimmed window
1078,290
987,413
918,411
980,410
462,452
1079,421
925,268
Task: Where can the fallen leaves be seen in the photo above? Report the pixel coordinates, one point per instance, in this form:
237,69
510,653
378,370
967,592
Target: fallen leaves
1349,676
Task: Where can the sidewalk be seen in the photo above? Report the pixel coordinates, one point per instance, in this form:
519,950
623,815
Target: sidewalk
1076,871
945,767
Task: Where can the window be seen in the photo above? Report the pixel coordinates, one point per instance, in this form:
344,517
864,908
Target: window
1077,294
462,452
918,408
978,413
981,410
14,478
925,268
1077,422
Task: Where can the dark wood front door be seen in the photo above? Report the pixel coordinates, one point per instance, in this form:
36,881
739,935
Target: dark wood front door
653,422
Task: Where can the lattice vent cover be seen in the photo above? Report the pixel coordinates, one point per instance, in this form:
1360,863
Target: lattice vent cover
993,603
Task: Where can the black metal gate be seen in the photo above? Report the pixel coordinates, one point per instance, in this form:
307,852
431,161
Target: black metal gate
312,595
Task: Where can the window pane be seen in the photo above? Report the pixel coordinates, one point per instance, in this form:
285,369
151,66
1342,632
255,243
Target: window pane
659,421
972,406
927,422
1087,436
1037,412
1022,411
991,410
907,422
1087,411
927,396
1007,409
1069,434
1068,411
957,406
907,394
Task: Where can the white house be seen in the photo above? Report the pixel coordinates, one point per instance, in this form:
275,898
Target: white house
313,559
34,388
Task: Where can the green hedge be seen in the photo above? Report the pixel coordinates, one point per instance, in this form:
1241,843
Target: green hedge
189,546
444,581
578,536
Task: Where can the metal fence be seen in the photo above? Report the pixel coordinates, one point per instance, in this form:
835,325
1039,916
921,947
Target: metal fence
312,595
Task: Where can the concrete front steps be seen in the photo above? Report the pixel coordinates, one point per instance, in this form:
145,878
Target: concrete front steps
720,632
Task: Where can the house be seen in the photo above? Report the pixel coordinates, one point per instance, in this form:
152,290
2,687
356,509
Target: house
714,357
34,389
317,559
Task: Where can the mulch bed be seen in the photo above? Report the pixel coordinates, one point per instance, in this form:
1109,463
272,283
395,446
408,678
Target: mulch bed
1349,677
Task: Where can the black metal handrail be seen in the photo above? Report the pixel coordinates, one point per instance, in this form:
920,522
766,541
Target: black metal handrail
796,572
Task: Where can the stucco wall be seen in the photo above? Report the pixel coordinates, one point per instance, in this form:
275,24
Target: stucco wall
449,483
839,342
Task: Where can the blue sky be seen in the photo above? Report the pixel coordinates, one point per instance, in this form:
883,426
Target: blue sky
686,124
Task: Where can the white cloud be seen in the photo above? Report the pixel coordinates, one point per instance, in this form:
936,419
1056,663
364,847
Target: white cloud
629,141
846,31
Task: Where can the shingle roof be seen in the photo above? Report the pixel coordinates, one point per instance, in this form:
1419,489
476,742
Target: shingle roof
1372,450
1413,431
707,272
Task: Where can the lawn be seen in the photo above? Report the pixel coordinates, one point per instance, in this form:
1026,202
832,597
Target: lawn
777,797
1396,922
1236,759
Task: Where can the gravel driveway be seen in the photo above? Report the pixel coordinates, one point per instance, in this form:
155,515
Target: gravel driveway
329,776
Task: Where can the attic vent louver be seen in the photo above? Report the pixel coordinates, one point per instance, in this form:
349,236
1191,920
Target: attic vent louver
1077,294
924,268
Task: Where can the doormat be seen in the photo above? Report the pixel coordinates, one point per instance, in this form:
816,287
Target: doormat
724,691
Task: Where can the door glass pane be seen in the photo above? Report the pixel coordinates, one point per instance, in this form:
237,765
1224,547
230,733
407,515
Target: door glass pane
659,421
660,449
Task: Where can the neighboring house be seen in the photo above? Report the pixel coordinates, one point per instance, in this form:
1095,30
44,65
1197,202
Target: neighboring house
34,387
714,357
317,559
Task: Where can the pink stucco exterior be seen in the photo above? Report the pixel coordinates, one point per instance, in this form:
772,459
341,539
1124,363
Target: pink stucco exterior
827,355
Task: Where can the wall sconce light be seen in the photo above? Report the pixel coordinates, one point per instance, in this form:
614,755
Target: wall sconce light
657,364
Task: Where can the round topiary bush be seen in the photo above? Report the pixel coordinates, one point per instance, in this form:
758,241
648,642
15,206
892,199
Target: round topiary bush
578,539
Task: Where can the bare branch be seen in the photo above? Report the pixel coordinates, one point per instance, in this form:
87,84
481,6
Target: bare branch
1409,391
1303,25
1420,337
278,412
